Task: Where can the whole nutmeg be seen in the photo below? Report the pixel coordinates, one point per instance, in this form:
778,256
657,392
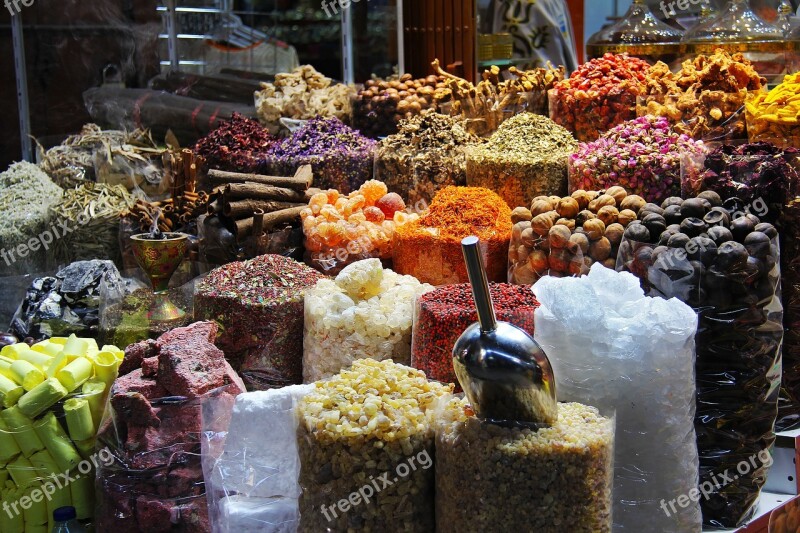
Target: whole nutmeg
693,207
583,216
517,229
582,197
601,201
594,229
618,193
693,226
600,249
741,227
554,200
521,214
541,206
524,275
672,200
568,222
528,238
757,244
568,207
614,234
538,261
542,223
626,216
713,198
634,202
581,241
672,214
649,209
608,214
720,234
767,229
637,233
559,236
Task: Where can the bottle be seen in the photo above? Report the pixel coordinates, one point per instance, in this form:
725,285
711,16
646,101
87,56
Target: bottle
65,521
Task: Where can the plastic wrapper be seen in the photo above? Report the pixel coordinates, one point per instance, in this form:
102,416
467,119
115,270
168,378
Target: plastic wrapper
789,406
523,480
344,455
531,256
124,308
250,460
709,115
442,315
734,288
65,304
14,290
614,348
773,116
153,428
259,307
365,312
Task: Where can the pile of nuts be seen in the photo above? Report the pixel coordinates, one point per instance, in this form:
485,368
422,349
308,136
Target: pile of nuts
566,236
383,103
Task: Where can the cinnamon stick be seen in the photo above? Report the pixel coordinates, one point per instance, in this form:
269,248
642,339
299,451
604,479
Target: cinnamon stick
246,208
244,227
301,181
259,191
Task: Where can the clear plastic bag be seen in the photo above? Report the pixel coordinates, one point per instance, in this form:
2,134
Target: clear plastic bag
789,405
614,348
153,429
250,460
258,305
736,293
365,313
530,257
492,478
442,315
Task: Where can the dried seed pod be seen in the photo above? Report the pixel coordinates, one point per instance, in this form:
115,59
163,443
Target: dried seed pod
608,214
626,216
601,201
521,214
594,229
538,261
611,263
559,260
618,193
559,236
568,207
583,216
528,238
614,234
540,206
542,223
634,202
581,241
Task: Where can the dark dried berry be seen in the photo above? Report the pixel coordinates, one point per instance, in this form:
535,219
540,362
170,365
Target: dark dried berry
693,226
720,234
672,200
712,197
741,228
767,229
693,207
757,244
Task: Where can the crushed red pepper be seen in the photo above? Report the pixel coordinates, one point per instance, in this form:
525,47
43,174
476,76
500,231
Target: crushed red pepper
442,316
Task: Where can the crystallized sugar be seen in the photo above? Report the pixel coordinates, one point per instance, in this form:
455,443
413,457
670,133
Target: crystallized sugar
613,348
366,312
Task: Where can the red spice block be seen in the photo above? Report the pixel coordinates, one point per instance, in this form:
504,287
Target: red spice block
258,305
135,354
442,316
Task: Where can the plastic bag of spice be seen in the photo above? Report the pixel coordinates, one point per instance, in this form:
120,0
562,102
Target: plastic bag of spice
726,267
789,404
614,348
523,479
259,306
442,315
250,460
710,116
344,453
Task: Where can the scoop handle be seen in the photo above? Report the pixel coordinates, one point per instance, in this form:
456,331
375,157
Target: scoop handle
480,283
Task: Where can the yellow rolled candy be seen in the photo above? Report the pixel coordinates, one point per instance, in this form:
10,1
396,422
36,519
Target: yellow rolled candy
119,354
37,359
94,392
35,515
79,419
5,368
26,374
56,364
12,351
22,472
76,347
49,348
86,447
41,398
10,392
21,428
9,448
57,442
82,490
106,367
62,497
75,373
58,340
11,522
44,464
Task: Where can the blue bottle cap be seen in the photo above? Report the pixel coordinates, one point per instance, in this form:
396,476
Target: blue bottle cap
63,514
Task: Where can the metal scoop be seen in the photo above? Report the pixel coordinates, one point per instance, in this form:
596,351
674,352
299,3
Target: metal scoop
505,373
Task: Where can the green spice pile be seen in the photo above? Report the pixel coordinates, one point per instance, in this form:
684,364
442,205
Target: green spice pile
525,158
259,306
26,195
426,155
526,480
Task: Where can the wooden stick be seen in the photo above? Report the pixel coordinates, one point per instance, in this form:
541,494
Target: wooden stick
259,191
301,181
246,208
244,227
